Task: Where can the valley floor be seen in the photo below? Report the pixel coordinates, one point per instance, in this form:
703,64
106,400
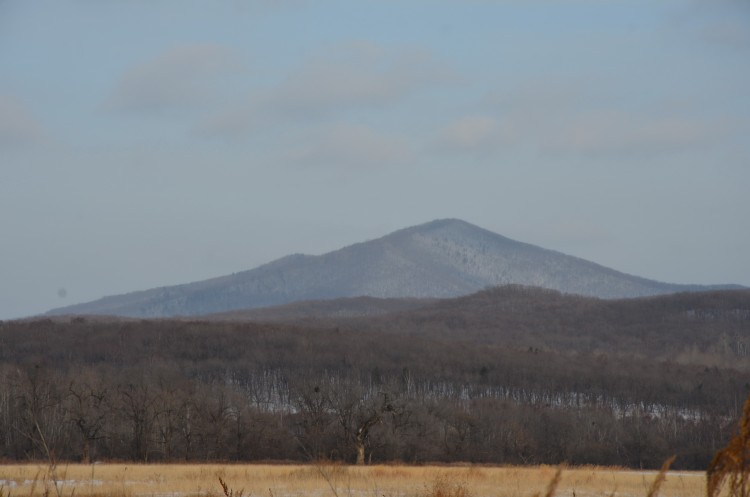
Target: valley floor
334,480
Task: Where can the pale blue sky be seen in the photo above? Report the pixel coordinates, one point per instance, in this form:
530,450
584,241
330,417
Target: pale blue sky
147,143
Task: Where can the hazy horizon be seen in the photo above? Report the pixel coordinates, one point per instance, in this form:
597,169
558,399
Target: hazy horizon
145,144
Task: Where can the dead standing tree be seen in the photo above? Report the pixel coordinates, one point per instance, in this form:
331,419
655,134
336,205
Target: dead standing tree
87,408
312,403
361,434
358,412
40,415
137,408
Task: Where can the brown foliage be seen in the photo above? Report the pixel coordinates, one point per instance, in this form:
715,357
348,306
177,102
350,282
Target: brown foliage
733,462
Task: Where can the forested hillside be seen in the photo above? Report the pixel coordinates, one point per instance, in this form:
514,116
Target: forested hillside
509,375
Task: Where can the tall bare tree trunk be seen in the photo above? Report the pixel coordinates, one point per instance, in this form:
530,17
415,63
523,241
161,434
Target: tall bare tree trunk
360,452
85,457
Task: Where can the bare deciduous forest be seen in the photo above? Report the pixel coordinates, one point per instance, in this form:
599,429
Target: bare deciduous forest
510,375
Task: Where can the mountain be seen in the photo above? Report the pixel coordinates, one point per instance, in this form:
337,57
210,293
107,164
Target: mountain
439,259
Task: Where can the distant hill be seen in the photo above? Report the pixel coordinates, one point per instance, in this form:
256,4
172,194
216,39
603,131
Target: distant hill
716,323
440,259
664,326
342,308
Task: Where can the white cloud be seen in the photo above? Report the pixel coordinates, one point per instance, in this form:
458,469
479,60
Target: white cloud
563,118
181,77
355,75
475,133
347,77
350,146
623,133
232,124
18,126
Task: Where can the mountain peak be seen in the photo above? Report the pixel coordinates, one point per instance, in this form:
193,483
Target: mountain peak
447,223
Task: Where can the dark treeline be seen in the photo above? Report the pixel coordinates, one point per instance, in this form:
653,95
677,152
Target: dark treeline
687,326
168,390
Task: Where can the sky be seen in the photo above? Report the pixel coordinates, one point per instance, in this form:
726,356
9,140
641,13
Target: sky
150,143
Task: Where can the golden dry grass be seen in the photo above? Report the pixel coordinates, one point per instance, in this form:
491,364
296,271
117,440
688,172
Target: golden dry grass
121,480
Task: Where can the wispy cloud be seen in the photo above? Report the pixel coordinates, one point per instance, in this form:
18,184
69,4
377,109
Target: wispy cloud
558,119
18,126
475,134
355,75
350,76
179,78
350,146
626,133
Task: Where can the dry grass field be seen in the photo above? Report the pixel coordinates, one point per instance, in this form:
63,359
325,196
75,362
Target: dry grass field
337,480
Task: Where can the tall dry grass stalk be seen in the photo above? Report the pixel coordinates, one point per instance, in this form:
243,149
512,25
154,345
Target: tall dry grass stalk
554,482
732,462
653,491
229,492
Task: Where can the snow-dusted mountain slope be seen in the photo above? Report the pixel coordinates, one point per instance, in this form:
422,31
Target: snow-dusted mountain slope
443,258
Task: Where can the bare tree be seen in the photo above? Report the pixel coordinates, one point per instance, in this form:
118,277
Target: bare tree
87,407
137,406
358,412
312,401
41,418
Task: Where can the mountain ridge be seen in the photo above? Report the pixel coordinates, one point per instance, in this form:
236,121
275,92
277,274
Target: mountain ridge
440,259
